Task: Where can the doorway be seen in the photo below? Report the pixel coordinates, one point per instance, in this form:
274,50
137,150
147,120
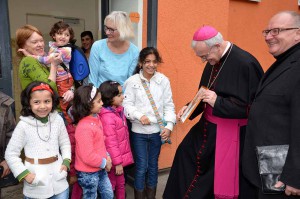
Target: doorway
133,8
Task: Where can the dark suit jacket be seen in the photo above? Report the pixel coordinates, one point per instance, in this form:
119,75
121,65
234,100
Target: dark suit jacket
274,117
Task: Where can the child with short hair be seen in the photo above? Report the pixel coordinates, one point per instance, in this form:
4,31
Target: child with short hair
116,134
43,136
92,160
62,34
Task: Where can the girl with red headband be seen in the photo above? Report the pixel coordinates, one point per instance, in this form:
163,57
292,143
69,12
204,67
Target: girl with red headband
43,136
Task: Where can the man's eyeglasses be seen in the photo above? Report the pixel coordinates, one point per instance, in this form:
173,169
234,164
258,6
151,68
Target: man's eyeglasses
204,57
276,31
110,30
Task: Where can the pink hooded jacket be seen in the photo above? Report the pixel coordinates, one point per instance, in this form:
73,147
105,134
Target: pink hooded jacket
116,134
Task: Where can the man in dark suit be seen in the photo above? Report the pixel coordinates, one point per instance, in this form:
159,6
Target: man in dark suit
274,117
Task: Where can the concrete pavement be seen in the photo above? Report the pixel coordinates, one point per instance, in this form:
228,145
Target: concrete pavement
15,192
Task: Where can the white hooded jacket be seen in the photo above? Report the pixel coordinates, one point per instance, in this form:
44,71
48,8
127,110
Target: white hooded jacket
40,141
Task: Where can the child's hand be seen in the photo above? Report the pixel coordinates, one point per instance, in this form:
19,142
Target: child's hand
73,179
109,159
29,178
108,164
63,167
165,134
57,59
144,120
119,169
25,52
51,57
68,96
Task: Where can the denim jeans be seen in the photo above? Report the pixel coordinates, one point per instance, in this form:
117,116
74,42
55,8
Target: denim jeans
146,151
63,195
93,182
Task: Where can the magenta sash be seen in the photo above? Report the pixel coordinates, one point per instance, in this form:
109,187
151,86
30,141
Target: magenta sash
226,178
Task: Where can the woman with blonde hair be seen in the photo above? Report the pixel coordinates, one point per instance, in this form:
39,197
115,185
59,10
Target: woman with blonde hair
115,57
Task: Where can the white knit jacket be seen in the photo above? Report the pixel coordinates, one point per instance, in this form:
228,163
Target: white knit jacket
32,135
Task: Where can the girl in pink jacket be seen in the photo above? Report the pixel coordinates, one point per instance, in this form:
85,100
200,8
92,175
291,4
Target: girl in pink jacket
116,134
92,162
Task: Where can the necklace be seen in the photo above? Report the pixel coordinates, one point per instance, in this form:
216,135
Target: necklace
47,136
212,69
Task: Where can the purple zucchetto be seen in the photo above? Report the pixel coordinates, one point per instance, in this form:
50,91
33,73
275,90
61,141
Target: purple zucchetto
205,33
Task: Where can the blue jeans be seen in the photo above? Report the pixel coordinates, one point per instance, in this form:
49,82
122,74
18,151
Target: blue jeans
63,195
146,151
91,182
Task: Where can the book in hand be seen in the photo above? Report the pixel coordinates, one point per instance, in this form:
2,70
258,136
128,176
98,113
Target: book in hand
193,104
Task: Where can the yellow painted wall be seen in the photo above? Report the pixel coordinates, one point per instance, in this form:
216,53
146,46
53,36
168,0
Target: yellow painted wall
240,21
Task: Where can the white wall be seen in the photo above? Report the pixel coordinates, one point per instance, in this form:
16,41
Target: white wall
85,10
